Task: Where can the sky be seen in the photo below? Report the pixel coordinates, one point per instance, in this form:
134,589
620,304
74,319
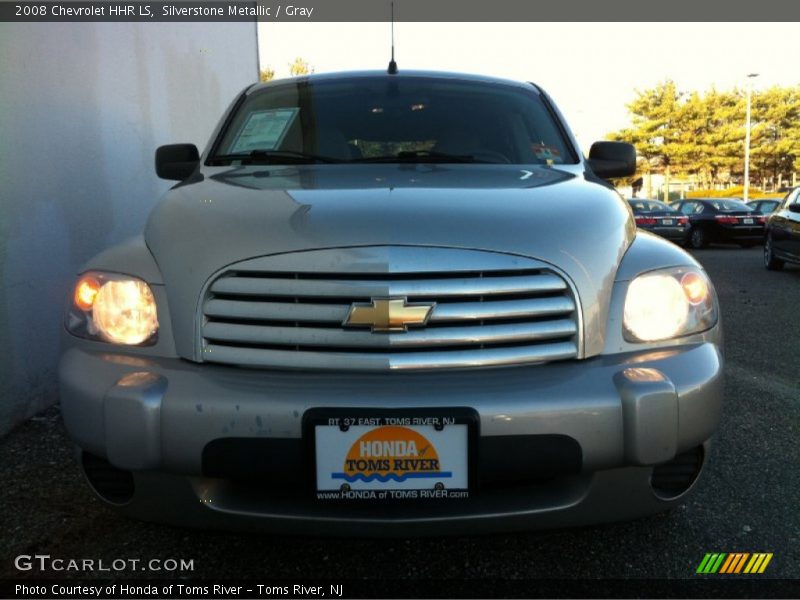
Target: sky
591,70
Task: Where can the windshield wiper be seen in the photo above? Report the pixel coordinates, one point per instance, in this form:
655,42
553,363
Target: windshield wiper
420,156
274,157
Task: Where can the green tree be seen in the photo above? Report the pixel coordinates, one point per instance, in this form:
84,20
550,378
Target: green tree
775,144
300,67
656,127
723,138
266,74
703,134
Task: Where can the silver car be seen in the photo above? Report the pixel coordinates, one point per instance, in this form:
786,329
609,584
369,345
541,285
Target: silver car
392,304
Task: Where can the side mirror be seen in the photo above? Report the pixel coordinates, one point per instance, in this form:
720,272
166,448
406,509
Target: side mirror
794,207
612,159
176,161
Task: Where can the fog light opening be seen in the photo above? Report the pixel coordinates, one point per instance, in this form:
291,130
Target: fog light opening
110,483
672,479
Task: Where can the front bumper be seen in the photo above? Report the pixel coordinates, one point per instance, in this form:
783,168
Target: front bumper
741,234
624,413
674,234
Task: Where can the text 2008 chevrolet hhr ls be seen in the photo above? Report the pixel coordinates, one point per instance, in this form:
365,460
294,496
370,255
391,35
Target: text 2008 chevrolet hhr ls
392,303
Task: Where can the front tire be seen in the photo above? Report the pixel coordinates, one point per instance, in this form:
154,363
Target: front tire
698,238
770,262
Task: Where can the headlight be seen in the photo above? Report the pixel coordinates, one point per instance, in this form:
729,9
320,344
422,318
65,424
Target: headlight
667,304
113,308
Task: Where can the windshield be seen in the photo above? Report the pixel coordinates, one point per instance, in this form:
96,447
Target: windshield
394,119
768,206
647,206
730,205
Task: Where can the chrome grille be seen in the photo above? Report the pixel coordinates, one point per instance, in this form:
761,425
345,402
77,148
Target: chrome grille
294,320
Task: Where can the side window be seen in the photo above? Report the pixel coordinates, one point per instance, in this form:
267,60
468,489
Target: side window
791,198
687,208
698,208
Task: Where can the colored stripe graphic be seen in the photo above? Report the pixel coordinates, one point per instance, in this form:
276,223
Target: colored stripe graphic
741,562
717,564
711,563
764,564
702,567
727,564
758,563
733,563
703,564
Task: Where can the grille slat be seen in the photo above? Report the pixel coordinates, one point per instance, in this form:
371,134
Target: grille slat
294,320
276,311
365,288
502,309
422,338
336,313
363,361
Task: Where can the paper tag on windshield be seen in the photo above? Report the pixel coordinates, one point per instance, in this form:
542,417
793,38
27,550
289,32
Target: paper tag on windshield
546,153
264,130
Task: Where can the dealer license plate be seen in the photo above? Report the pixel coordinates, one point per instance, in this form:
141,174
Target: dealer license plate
747,221
667,221
392,456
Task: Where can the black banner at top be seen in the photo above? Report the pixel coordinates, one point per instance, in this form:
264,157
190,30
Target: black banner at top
405,11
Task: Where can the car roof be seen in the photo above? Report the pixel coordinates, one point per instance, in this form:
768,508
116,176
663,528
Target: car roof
402,74
710,199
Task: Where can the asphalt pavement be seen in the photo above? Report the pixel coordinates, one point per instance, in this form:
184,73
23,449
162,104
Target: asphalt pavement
748,500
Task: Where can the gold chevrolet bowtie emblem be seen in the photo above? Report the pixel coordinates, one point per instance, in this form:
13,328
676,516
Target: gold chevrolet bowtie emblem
388,315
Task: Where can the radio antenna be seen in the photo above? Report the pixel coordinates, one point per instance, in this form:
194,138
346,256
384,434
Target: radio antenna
392,65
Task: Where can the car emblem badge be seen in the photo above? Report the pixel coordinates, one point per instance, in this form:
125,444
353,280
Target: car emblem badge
389,315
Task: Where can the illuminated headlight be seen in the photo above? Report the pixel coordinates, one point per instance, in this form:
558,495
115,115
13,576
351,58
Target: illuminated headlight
668,304
113,308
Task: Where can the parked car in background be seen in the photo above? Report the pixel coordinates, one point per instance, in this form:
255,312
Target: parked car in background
660,218
765,206
782,233
722,220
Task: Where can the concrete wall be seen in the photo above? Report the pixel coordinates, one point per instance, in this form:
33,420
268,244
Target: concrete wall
82,108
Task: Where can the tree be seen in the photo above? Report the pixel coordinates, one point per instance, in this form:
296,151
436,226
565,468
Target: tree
656,130
266,74
300,67
775,133
703,135
723,136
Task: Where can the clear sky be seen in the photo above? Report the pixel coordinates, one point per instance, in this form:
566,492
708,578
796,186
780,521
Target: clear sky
590,69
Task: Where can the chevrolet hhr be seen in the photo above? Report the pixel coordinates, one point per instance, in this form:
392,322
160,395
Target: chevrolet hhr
392,304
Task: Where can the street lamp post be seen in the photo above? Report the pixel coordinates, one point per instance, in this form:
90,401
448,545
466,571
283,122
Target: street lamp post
750,78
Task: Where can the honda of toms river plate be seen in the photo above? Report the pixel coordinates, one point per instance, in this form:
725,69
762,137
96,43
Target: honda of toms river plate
392,303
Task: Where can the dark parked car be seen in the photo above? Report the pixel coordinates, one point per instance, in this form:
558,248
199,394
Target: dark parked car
722,220
660,218
765,206
782,239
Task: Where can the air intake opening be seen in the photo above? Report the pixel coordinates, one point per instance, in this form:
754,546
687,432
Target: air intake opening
671,479
111,484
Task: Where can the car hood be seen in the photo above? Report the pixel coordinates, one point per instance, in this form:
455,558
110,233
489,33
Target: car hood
231,214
